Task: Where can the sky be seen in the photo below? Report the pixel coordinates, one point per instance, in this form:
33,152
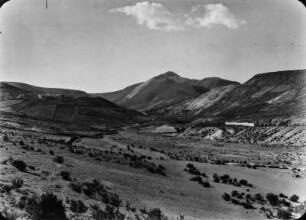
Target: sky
106,45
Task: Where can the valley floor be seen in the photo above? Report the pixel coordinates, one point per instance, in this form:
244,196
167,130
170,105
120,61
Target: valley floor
147,171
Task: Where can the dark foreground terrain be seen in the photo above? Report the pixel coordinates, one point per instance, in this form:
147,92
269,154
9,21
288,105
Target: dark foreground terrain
53,170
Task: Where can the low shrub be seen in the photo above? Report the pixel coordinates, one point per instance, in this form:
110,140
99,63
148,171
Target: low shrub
17,183
108,214
143,211
283,214
77,206
20,165
234,193
4,188
226,196
190,166
206,184
58,159
235,201
197,179
273,199
248,205
281,195
244,182
156,214
114,200
225,178
77,187
216,180
260,198
294,198
285,202
65,175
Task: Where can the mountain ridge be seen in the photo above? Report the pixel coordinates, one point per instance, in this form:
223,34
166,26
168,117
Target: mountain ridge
162,90
266,96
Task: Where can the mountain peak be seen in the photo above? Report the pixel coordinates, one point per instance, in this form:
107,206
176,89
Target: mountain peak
170,74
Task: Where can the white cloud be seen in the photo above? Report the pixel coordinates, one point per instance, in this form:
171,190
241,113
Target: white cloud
153,15
215,14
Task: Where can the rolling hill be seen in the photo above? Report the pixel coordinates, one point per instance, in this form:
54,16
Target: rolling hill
63,105
163,90
12,90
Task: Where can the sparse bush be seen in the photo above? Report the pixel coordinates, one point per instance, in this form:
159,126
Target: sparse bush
190,166
144,211
65,175
234,193
77,206
22,201
17,183
226,196
4,188
5,138
248,205
216,179
58,159
197,179
71,140
108,214
206,184
225,178
243,182
294,198
259,197
235,201
285,202
281,195
115,200
77,187
20,165
51,152
92,188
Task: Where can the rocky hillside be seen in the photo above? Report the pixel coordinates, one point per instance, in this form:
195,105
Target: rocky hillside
269,96
163,90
